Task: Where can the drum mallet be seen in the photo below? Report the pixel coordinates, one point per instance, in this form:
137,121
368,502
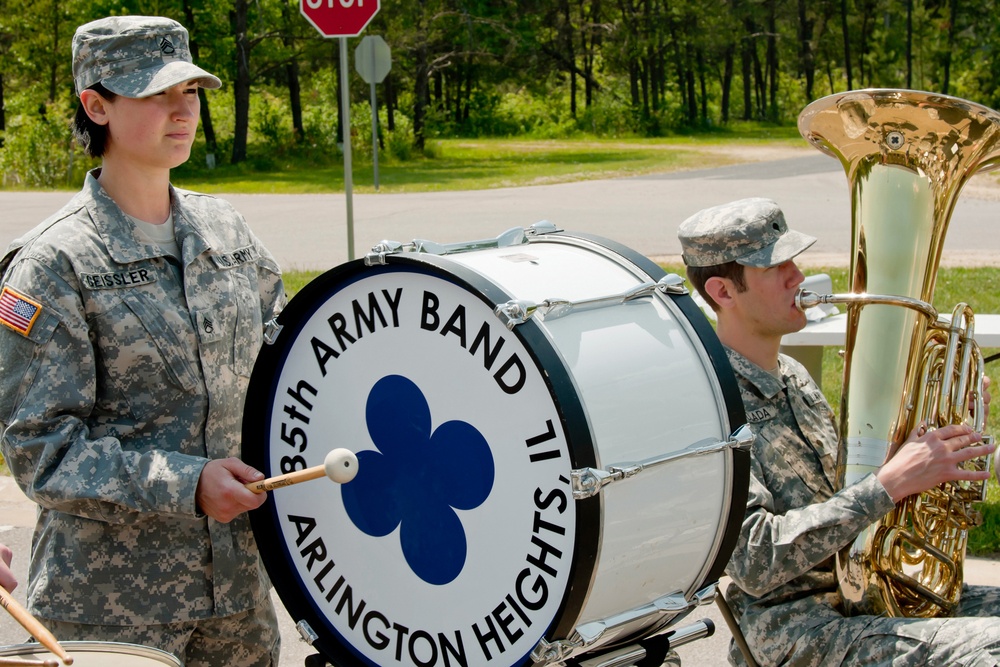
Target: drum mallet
33,626
340,465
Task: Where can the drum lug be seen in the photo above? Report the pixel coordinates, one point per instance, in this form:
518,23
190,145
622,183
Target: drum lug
271,331
377,255
546,653
306,632
742,438
671,284
588,482
707,594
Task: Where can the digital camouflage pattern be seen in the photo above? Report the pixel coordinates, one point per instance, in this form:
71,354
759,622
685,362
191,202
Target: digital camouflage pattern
135,56
131,377
784,588
751,232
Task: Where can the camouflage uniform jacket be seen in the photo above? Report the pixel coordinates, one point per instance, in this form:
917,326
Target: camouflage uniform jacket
783,565
131,376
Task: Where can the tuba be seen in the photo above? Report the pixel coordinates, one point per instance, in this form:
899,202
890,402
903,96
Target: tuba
907,155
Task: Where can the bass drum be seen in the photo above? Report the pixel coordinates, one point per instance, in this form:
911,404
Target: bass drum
545,466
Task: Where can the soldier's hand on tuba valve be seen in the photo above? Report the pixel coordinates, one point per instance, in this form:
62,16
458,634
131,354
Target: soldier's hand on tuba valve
932,457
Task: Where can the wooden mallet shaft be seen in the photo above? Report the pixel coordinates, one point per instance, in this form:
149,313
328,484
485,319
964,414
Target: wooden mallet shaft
340,465
287,480
33,626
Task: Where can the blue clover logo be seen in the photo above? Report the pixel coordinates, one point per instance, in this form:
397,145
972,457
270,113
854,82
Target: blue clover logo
417,479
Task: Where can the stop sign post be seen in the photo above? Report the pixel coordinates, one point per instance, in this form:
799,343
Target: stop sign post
343,19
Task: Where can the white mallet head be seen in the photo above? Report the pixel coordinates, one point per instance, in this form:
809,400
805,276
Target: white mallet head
341,465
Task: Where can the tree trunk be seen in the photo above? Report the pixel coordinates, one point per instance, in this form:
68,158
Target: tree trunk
772,63
704,87
806,57
390,103
909,44
952,22
292,73
295,99
727,83
760,84
420,90
469,81
566,38
633,83
241,87
745,59
3,111
211,146
53,65
847,43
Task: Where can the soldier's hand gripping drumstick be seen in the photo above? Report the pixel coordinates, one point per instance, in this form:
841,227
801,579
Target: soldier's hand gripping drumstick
340,465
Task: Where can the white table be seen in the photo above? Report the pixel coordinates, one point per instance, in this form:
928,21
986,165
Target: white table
807,345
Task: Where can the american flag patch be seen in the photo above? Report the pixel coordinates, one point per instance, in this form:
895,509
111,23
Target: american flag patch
18,311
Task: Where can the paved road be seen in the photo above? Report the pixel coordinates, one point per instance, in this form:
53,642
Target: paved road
310,232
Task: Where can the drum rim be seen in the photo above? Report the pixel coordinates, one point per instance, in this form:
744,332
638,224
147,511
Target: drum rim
93,646
539,347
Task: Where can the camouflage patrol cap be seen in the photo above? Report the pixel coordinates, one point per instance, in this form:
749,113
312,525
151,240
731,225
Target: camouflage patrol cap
135,56
751,232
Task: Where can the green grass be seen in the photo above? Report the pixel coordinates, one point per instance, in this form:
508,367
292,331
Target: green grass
478,164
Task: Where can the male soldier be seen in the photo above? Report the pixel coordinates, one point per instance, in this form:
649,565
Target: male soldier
131,321
740,258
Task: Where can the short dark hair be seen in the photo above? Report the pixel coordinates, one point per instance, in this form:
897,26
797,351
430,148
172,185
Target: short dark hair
699,275
91,136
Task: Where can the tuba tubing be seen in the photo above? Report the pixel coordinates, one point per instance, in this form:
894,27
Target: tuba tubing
907,154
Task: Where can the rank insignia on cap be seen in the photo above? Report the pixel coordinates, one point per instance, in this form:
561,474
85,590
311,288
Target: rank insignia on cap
18,311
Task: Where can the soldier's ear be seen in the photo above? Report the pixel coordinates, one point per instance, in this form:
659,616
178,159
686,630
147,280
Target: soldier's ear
721,290
95,106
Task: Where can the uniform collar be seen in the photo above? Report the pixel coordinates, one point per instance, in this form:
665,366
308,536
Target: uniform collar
766,384
119,234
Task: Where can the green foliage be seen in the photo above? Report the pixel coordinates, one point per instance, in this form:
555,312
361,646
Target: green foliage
506,68
396,145
271,123
39,150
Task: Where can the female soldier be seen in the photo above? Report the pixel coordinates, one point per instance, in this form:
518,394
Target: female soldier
132,318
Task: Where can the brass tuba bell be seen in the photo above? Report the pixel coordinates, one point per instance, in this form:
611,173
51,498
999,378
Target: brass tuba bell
907,155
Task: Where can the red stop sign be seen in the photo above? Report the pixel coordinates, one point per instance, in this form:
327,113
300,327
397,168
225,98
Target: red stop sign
339,18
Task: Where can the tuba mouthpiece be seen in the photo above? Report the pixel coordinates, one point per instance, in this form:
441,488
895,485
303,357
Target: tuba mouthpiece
805,299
